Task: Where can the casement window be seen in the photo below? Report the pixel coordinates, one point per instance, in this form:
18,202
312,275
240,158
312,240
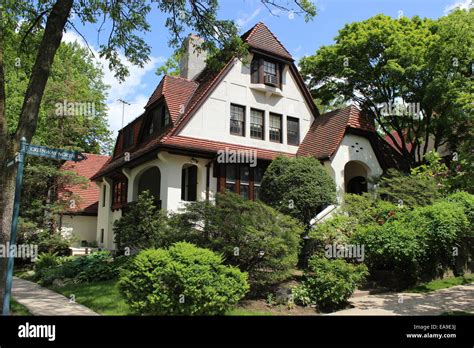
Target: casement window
275,128
128,137
241,179
189,183
237,120
119,191
265,71
101,236
256,124
293,130
159,119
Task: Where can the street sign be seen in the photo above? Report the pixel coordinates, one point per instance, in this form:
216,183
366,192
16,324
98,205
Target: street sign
41,151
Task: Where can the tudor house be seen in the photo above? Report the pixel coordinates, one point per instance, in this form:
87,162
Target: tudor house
262,107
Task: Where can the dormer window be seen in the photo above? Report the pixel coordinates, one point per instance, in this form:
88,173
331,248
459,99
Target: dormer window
266,71
128,137
159,118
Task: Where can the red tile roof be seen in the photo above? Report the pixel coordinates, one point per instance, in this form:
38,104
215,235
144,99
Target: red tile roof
327,131
213,147
262,39
409,145
88,193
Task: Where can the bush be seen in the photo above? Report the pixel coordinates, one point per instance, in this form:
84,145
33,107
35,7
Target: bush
330,283
141,226
299,187
44,262
181,280
335,230
93,267
250,235
367,209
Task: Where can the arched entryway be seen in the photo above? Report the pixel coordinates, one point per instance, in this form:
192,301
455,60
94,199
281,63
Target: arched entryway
189,174
355,177
149,180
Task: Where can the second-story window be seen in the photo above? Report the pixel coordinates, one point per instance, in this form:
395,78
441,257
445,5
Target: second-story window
119,191
270,73
237,120
266,71
275,128
293,131
256,124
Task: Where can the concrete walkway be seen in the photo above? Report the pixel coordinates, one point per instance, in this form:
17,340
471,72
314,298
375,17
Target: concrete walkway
42,301
456,298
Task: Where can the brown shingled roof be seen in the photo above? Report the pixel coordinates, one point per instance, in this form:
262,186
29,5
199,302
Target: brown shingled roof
327,131
261,38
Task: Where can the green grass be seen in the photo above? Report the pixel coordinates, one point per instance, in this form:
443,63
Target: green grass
456,313
102,297
442,284
17,308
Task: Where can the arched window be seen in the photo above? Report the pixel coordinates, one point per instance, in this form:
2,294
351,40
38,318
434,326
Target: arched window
150,180
357,185
189,182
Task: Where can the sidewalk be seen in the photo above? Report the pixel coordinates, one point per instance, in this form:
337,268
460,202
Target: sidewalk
41,301
456,298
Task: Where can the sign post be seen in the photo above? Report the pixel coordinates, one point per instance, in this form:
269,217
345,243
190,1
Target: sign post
40,151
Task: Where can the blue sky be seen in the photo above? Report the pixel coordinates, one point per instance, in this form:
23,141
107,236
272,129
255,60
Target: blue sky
298,37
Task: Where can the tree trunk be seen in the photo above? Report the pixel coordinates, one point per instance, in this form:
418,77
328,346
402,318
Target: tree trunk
50,42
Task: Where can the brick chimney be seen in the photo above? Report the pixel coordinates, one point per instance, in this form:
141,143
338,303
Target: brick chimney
193,60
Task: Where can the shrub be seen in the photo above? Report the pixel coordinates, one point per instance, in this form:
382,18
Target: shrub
181,280
299,187
413,190
250,235
93,267
466,200
53,243
330,283
141,226
367,209
44,262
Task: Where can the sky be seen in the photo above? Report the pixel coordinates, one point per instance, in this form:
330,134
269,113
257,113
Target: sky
299,38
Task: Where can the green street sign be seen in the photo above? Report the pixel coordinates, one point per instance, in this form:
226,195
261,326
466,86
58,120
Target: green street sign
43,151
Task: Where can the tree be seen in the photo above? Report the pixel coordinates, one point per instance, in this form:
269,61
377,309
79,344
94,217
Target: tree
381,62
126,20
299,187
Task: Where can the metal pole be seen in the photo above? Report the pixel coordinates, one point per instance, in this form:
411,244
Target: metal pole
16,212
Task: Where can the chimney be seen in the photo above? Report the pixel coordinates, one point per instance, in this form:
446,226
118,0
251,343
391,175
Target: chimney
193,60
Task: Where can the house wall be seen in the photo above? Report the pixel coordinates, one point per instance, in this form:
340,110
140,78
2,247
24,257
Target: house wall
170,166
346,153
83,227
212,119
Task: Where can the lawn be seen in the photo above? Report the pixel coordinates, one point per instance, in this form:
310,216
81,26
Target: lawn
102,297
17,308
442,284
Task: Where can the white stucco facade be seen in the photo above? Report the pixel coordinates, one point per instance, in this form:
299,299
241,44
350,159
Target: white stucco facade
81,227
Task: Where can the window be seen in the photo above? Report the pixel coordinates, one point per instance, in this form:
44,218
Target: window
265,71
128,137
293,131
275,128
166,118
104,195
256,124
241,179
119,191
231,178
101,236
159,119
189,183
237,120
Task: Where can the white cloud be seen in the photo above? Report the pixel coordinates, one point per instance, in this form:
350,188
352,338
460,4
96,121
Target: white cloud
459,4
129,90
245,18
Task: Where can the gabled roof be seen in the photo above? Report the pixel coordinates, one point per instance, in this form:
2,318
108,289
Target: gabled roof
88,193
190,94
327,131
262,39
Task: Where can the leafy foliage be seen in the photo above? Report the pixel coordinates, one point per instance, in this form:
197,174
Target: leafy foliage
330,283
299,187
181,280
250,235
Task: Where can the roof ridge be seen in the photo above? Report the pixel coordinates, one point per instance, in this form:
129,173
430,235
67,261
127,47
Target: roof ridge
252,31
